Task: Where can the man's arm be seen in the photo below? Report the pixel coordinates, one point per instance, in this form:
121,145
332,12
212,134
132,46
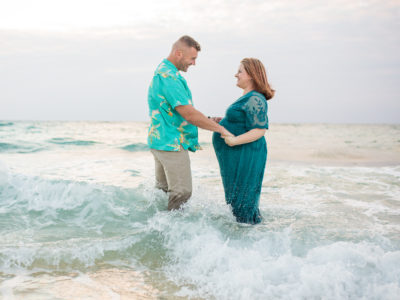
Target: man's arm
195,117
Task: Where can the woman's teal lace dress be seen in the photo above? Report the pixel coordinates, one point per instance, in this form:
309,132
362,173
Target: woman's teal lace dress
242,167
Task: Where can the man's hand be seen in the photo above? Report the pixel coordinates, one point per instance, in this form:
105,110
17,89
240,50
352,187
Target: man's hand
225,133
216,119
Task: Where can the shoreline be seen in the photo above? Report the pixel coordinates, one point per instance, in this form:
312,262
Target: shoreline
308,159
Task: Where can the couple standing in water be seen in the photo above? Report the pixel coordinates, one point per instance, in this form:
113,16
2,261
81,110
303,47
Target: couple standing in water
238,138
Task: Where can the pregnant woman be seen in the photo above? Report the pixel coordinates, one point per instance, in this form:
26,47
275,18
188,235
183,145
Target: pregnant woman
242,157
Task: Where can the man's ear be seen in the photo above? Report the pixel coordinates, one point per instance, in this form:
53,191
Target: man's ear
179,53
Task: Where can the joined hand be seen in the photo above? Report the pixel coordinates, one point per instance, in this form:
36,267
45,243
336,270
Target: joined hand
230,140
216,119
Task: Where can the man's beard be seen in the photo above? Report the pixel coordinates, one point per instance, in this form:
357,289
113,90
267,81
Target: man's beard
183,67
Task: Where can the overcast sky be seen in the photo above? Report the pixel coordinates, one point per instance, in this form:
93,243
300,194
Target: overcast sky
329,61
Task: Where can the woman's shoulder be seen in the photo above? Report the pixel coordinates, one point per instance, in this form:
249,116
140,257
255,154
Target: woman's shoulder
251,98
255,98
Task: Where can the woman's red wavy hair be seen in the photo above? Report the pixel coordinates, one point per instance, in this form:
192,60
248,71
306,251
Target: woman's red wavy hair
256,71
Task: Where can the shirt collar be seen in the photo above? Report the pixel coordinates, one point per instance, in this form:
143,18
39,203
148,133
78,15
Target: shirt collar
170,65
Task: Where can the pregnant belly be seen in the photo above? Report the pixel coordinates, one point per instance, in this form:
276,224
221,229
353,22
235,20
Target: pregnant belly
236,128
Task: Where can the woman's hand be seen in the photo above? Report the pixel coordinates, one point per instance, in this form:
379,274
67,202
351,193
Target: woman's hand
231,140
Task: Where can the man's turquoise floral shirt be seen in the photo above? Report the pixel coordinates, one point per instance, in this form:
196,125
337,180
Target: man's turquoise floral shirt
168,130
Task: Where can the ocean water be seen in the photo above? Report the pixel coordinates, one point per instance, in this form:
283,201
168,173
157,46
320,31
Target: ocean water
80,219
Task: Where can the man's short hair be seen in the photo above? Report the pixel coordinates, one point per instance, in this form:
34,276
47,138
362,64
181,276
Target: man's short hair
190,42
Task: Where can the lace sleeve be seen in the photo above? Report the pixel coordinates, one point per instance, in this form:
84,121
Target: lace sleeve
256,113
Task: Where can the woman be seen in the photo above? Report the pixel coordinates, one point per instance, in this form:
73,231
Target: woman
242,157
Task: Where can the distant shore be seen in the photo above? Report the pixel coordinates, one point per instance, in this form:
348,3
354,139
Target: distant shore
331,144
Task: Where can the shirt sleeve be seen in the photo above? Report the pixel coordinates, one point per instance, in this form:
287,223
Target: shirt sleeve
174,91
256,113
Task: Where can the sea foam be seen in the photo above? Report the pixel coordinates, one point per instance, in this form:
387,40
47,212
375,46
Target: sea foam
86,216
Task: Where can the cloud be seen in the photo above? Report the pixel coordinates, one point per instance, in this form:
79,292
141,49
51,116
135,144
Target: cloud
218,15
336,58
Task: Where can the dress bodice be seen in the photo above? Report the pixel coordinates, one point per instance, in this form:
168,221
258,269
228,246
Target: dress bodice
246,113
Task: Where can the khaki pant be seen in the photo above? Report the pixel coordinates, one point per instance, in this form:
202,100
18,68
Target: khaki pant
173,175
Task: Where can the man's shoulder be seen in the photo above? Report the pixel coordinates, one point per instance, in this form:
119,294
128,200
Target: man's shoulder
164,71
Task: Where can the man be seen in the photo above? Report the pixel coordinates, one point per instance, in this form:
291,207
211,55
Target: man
173,131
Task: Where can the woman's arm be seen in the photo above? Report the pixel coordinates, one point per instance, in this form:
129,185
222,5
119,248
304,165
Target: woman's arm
248,137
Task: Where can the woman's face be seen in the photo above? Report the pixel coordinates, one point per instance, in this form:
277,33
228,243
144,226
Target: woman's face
243,79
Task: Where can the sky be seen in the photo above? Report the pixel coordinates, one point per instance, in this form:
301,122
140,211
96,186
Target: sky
329,61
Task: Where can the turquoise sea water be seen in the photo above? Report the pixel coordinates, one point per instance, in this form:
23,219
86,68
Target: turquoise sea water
80,219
